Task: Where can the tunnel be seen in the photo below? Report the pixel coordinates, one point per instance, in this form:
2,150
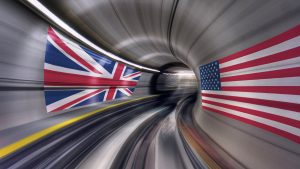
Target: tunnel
150,84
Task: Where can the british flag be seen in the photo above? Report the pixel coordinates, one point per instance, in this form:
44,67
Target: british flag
78,76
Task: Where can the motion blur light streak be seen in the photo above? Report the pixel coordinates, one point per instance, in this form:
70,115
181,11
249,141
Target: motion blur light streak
28,140
41,8
110,148
182,73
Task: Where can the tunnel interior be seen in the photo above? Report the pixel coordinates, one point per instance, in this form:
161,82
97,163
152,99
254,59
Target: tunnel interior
174,78
150,84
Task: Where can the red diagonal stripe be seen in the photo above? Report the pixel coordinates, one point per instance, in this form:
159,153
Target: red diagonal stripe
127,90
294,32
69,51
77,100
133,74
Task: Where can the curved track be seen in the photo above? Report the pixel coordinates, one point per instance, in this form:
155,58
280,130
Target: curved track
141,134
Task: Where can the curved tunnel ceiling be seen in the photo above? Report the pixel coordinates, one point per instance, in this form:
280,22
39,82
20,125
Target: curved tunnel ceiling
158,32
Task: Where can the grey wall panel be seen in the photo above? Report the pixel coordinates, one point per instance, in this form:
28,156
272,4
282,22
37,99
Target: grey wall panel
20,107
22,50
22,44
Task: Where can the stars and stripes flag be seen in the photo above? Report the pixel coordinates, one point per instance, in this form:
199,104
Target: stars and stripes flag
88,76
259,86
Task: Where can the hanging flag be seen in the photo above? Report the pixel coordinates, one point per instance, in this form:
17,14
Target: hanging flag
259,86
91,77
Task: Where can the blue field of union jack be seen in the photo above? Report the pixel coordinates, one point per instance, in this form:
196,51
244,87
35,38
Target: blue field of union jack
78,76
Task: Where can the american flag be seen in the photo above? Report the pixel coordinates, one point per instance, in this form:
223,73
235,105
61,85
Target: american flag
88,76
259,86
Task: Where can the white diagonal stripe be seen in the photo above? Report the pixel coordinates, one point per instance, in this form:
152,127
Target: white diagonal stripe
80,52
65,53
132,78
138,74
71,98
66,100
89,59
125,92
72,71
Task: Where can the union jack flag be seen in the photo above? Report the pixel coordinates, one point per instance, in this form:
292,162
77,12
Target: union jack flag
259,86
89,76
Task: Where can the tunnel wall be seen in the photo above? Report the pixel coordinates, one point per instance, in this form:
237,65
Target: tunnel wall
22,58
248,144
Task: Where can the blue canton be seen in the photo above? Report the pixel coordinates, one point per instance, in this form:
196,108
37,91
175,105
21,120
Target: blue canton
210,76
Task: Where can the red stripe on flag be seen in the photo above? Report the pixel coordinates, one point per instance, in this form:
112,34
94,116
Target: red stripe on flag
274,130
293,90
133,74
76,100
270,103
53,78
290,72
294,32
289,54
273,117
119,70
69,51
127,90
111,93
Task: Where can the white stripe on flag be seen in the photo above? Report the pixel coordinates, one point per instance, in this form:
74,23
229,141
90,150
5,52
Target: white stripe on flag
284,64
266,96
79,51
65,53
124,91
132,77
275,124
71,98
286,45
287,81
266,109
71,71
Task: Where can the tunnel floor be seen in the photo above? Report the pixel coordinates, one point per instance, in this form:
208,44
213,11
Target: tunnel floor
137,133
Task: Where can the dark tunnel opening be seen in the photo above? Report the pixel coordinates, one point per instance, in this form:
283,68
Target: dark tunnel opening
174,78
